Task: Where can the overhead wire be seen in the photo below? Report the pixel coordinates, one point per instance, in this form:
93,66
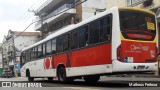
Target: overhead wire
26,16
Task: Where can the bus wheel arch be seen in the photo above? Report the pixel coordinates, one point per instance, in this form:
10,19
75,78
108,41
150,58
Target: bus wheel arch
27,72
61,73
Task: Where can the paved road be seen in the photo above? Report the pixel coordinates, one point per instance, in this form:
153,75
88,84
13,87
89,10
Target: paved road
109,83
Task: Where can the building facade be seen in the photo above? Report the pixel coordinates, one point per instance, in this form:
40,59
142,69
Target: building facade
56,14
12,45
114,3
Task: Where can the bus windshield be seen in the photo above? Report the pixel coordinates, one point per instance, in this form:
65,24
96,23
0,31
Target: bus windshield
137,25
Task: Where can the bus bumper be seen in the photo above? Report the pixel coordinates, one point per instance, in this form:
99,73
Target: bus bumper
134,67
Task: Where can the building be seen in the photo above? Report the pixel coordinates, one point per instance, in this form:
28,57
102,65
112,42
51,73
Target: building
56,14
114,3
12,45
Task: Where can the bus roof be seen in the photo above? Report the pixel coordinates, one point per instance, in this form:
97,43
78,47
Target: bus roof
136,9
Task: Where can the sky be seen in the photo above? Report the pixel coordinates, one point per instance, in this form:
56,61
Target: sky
14,15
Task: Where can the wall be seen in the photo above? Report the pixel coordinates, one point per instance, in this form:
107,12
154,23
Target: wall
113,3
24,41
90,6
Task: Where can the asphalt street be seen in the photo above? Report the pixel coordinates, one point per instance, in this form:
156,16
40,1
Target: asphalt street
105,83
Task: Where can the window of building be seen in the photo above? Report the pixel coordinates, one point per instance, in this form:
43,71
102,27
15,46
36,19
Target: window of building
83,36
48,47
66,42
59,44
74,39
132,2
129,2
54,46
105,29
94,32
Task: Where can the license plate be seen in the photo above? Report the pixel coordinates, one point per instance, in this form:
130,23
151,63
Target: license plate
140,67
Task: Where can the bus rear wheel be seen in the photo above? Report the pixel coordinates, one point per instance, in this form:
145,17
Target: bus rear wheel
62,77
92,78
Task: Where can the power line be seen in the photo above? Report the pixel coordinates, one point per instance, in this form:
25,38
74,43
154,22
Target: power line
24,18
25,29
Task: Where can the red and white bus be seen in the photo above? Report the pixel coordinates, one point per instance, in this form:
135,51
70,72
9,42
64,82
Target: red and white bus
118,40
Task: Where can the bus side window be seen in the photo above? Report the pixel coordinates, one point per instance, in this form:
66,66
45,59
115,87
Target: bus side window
31,53
44,49
27,56
35,52
83,36
66,42
94,32
105,29
74,39
48,47
59,44
54,46
22,58
40,51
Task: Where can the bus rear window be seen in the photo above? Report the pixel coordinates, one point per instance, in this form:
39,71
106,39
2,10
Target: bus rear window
137,25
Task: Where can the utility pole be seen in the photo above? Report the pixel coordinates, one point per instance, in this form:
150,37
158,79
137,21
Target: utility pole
40,15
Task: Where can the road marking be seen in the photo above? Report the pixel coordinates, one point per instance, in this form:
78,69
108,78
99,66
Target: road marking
80,88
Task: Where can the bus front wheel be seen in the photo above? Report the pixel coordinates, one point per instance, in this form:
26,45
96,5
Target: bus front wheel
92,78
31,79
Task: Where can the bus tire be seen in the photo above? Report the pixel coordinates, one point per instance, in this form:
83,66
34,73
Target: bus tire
92,78
31,79
62,74
62,77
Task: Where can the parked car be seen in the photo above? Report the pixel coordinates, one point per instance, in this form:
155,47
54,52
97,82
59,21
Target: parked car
7,74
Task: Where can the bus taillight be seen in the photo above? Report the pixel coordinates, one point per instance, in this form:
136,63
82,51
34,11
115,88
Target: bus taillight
119,53
156,53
